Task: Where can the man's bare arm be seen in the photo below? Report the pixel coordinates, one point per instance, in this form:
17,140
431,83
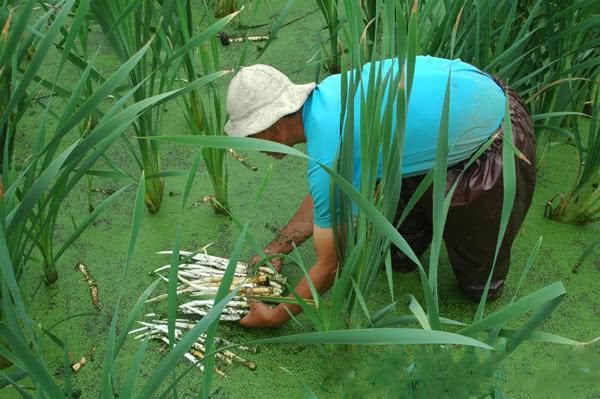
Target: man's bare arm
322,275
298,230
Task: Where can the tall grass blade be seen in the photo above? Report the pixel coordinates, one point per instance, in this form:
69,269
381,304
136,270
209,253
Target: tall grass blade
37,371
88,221
136,220
133,315
509,182
277,24
134,369
223,290
10,380
530,262
439,211
516,309
108,389
37,189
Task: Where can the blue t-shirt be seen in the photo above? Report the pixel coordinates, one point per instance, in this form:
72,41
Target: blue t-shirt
477,106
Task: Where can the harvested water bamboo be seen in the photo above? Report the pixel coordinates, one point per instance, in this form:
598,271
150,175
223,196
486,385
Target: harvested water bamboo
201,275
158,330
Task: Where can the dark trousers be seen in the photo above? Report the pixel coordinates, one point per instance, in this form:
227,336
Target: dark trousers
473,222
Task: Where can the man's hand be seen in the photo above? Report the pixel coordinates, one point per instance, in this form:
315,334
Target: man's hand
322,275
276,262
298,229
262,316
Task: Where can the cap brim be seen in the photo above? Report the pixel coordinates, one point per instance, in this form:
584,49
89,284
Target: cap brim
289,102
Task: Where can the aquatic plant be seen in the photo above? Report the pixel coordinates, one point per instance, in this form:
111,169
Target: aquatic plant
21,337
570,65
361,248
129,27
582,204
329,10
204,111
370,14
7,134
34,190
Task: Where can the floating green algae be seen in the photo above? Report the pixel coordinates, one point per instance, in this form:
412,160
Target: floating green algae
534,371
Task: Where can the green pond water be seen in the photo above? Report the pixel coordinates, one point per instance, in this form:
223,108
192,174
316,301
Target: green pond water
534,371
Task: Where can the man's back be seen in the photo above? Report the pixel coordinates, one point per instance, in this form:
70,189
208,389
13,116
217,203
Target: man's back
476,111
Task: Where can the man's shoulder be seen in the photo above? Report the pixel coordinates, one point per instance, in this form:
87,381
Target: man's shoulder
325,107
331,83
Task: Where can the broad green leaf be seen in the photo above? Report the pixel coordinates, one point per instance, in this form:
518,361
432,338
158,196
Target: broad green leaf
133,315
224,287
30,361
38,188
516,309
376,336
134,369
88,221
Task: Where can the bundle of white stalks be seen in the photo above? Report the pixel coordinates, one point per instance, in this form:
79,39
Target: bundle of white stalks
200,274
157,329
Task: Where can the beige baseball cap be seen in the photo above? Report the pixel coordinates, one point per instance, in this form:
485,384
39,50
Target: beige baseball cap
260,95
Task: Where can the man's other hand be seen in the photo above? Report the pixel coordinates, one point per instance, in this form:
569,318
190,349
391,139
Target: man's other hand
261,316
